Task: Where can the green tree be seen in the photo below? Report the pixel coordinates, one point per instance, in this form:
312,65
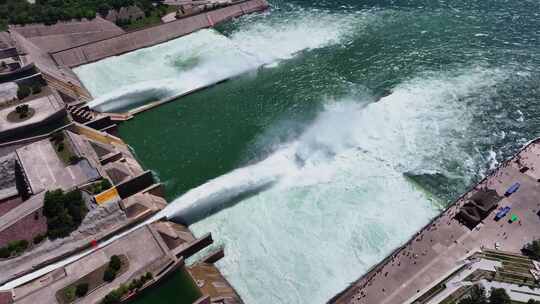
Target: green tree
4,253
81,289
477,295
70,293
53,203
112,298
115,263
109,275
36,88
499,296
23,92
39,238
22,110
64,212
533,249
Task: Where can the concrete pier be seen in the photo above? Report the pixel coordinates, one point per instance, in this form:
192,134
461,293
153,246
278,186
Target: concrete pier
442,246
131,41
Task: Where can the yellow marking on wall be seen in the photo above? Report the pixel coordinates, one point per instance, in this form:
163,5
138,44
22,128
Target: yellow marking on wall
107,196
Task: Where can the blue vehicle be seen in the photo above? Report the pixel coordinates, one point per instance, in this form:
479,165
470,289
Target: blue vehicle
502,213
512,189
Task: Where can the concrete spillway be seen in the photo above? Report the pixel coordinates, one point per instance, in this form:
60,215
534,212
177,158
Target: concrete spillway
200,59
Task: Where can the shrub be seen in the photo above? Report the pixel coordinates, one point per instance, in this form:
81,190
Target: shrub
4,253
499,296
23,92
477,295
36,88
39,238
105,184
81,289
532,250
100,186
136,284
17,246
115,263
70,293
109,275
22,109
123,289
148,276
113,297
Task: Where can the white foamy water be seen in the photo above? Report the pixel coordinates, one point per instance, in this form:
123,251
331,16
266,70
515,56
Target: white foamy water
203,58
339,201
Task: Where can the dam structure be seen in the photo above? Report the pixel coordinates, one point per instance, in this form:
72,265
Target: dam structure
323,144
126,42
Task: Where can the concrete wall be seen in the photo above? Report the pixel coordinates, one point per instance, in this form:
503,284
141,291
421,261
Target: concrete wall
8,53
154,35
96,135
25,71
14,133
61,79
134,185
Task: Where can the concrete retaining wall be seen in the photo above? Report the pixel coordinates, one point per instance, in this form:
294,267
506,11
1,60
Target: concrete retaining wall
8,53
134,185
25,71
154,35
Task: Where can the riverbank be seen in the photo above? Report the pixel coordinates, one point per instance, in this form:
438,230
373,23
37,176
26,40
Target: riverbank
443,245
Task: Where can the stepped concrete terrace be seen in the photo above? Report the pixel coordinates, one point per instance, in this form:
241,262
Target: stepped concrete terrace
442,246
159,247
145,250
41,168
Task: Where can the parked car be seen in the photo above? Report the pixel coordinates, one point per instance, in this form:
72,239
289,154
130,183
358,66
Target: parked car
502,213
512,189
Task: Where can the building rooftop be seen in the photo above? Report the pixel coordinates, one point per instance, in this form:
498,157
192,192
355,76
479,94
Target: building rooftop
44,169
64,35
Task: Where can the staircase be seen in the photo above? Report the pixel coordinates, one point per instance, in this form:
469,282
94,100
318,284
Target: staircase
81,113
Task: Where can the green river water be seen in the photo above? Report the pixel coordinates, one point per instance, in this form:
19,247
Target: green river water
361,119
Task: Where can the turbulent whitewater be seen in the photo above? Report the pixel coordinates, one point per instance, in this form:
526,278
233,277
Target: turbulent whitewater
200,59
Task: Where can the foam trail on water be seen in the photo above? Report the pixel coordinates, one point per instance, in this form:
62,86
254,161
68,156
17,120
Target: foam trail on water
204,58
227,189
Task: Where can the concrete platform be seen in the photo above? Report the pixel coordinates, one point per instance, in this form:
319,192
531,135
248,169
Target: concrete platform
44,169
47,110
140,246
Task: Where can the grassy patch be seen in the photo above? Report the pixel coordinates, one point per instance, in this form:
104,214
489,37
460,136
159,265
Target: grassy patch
94,280
153,19
63,148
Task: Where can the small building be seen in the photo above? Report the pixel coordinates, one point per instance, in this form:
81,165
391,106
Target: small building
478,207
